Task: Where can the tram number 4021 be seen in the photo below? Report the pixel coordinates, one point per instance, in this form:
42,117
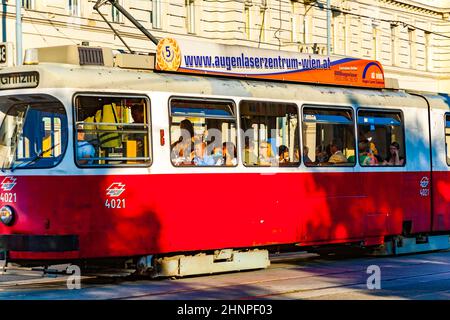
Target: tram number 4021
8,197
115,203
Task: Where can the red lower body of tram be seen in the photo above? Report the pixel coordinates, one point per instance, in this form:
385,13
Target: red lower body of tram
67,217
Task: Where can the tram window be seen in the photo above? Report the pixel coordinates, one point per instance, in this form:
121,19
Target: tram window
33,133
203,132
270,134
447,137
381,138
328,135
112,131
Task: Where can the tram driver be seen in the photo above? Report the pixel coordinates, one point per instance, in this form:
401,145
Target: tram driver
137,113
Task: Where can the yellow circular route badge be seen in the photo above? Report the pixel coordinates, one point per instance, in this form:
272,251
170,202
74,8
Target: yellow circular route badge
168,55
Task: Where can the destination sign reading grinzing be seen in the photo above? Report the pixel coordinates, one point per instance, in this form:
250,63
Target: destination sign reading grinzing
19,80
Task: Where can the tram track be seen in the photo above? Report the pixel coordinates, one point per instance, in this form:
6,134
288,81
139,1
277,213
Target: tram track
317,272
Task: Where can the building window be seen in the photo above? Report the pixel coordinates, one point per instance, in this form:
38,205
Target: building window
115,15
447,137
374,42
247,21
156,14
190,16
203,133
262,29
428,56
122,136
412,47
308,24
28,4
394,44
329,135
381,138
270,134
294,21
74,7
294,27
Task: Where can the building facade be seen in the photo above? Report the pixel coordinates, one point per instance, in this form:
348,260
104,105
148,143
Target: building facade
411,38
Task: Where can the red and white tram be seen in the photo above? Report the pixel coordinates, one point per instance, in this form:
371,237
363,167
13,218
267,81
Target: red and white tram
95,165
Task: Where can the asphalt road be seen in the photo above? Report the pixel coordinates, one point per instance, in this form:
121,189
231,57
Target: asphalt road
290,276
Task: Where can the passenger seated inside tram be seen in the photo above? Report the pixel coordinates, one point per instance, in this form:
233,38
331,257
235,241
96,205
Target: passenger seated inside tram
337,157
137,112
321,155
265,155
217,153
229,157
201,158
296,155
283,154
182,150
85,150
374,154
393,158
250,157
306,158
365,158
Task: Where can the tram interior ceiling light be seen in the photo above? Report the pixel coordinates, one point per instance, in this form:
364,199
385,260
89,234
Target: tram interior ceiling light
7,215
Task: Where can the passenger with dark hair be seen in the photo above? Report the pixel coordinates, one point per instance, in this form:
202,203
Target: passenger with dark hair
182,150
337,156
364,154
137,112
321,154
283,154
306,158
393,158
229,155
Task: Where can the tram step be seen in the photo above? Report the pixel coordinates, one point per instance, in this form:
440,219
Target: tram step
220,261
401,245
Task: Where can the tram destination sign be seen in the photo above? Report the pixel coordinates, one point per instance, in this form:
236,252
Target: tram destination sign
19,80
238,61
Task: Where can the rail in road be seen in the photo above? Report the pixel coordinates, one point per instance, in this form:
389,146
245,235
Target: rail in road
290,276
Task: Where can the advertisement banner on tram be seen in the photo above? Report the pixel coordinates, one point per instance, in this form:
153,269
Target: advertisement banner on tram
239,61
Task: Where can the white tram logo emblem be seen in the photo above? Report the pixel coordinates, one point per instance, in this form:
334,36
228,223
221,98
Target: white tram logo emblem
115,189
424,182
8,183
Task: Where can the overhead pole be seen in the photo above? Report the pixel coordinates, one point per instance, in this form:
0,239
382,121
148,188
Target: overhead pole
18,32
123,11
114,30
329,27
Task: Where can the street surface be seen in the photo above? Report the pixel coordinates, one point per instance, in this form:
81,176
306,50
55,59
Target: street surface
290,276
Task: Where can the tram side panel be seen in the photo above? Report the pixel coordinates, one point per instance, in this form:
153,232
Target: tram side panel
440,132
415,192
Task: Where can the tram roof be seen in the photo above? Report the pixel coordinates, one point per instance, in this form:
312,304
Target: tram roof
92,78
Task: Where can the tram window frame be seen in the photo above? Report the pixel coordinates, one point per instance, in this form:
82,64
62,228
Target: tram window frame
330,108
148,109
403,132
292,164
447,136
202,100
